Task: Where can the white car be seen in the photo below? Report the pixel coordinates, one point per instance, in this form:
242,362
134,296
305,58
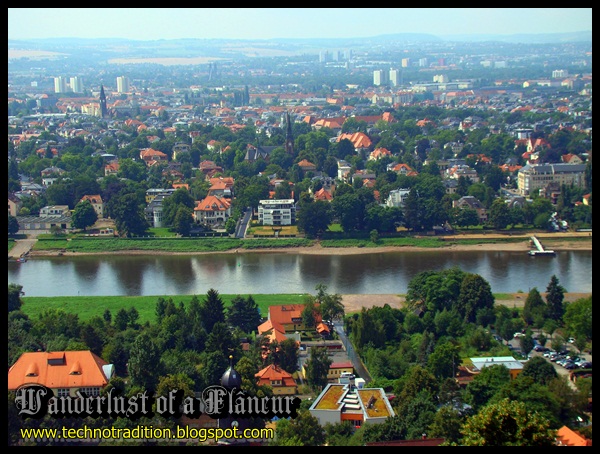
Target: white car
518,335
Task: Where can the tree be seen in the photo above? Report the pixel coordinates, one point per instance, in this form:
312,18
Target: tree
555,295
534,309
499,216
14,297
475,296
486,384
129,215
84,215
183,221
304,430
243,313
212,310
317,368
144,365
540,370
578,318
313,217
13,225
507,423
172,204
330,304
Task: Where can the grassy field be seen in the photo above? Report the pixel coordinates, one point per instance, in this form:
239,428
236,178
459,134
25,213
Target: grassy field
87,307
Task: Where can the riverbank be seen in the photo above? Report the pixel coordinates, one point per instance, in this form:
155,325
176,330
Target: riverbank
463,242
356,302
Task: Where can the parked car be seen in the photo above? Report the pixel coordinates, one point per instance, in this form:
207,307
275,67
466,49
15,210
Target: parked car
540,348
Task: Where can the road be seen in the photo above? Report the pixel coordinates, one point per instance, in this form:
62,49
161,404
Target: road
21,248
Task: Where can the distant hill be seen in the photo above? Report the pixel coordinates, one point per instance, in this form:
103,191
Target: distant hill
114,48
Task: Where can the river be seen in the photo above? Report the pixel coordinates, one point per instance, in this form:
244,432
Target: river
270,273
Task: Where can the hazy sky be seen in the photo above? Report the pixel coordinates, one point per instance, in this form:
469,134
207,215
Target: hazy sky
265,23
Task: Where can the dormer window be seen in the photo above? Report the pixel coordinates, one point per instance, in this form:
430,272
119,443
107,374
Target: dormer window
76,369
32,370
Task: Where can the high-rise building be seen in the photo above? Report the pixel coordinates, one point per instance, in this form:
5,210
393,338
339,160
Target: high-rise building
381,77
405,62
122,84
76,84
395,77
60,84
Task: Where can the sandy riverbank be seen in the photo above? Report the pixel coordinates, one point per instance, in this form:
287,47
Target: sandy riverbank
557,244
356,302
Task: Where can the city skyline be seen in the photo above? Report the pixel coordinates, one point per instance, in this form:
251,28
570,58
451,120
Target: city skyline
293,23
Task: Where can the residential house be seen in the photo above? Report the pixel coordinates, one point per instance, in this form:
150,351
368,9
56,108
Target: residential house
280,381
402,169
97,203
49,218
14,204
221,187
154,209
379,153
212,211
470,201
180,149
397,197
336,369
531,178
514,367
111,168
360,140
64,372
151,156
345,402
307,166
571,158
569,437
55,211
209,169
288,317
259,152
277,212
323,194
365,176
343,172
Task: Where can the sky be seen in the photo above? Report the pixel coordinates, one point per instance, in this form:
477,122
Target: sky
267,23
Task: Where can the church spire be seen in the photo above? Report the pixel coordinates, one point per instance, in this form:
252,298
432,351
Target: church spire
289,138
103,108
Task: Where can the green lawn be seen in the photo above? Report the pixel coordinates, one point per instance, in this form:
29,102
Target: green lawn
87,307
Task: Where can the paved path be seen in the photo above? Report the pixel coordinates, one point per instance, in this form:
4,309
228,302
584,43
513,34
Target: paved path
21,248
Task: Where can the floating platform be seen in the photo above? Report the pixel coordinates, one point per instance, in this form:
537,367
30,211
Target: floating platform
543,252
540,249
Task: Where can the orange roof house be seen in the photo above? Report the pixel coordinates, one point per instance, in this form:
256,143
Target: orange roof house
212,210
62,372
359,139
568,437
280,381
289,316
150,156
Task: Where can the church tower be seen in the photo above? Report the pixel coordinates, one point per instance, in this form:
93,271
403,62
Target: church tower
103,108
289,138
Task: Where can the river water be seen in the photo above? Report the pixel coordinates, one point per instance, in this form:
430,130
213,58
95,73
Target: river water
269,273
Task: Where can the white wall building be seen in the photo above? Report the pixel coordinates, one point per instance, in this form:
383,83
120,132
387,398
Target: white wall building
277,212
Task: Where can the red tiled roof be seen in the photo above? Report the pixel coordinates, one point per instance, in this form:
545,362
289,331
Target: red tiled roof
68,369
